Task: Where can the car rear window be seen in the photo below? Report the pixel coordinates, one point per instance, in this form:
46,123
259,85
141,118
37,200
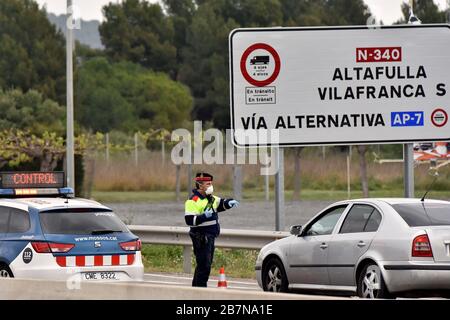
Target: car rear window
424,214
80,222
361,218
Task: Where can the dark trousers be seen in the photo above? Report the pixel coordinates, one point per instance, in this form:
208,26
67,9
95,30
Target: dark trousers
204,253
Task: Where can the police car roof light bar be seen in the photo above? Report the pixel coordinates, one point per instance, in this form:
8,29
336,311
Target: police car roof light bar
36,192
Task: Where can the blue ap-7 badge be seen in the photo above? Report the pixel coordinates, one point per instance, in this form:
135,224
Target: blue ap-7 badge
407,119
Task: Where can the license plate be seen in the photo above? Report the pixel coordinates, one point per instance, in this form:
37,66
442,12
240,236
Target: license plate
104,275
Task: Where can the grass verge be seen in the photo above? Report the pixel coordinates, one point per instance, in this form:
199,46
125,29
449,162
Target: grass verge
165,258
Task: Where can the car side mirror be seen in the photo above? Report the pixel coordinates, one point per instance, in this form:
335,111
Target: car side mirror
296,230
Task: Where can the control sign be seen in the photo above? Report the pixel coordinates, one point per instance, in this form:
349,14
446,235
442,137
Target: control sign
340,85
32,180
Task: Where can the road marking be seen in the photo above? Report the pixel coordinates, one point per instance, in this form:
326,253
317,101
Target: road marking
188,284
165,282
186,281
190,279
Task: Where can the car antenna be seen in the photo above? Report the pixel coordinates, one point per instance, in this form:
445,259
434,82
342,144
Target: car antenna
434,173
66,198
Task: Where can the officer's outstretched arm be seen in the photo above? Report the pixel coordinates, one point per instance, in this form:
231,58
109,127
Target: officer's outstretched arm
226,204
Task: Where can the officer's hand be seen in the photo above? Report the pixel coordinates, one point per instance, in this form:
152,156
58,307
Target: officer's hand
233,203
208,212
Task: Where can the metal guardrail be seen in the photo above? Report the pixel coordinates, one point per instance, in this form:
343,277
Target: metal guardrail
229,238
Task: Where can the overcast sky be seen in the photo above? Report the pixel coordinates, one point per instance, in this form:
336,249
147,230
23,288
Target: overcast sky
386,10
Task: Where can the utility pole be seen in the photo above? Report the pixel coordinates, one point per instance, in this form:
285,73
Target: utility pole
70,156
408,148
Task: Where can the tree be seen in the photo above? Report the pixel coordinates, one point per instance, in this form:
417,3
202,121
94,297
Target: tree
205,57
32,54
180,14
190,41
30,111
346,12
139,32
303,13
48,148
125,96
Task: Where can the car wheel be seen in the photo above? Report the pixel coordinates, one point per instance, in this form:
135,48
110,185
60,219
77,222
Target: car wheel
371,283
5,272
274,276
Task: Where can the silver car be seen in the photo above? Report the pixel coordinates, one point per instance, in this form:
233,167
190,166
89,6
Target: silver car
376,248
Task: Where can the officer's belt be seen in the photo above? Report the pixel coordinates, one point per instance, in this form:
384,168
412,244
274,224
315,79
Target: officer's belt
205,224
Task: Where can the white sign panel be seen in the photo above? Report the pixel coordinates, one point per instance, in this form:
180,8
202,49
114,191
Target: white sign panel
351,85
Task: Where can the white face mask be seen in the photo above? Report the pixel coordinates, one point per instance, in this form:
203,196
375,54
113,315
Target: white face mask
209,190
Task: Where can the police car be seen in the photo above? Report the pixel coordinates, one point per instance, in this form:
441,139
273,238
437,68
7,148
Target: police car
47,234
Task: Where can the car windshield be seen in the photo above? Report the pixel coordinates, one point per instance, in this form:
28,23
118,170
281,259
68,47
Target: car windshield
81,222
424,214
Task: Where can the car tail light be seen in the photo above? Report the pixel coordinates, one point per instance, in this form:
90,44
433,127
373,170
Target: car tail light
41,247
135,245
421,246
50,247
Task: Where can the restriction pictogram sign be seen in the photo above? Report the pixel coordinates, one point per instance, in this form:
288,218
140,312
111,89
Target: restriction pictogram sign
439,117
260,64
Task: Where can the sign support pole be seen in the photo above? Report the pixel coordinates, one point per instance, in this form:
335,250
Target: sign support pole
408,167
279,192
408,148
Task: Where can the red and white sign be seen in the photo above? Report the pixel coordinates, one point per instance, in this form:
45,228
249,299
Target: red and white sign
439,118
260,64
383,54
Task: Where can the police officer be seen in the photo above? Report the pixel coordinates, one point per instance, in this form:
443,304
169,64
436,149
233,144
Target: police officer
201,215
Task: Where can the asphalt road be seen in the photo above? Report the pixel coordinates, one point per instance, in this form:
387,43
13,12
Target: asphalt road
185,280
249,215
175,279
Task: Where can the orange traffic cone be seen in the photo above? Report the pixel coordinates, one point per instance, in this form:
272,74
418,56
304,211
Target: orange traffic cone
222,283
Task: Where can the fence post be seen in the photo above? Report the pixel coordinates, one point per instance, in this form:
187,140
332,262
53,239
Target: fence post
187,258
163,152
136,151
177,183
189,182
107,148
348,173
237,182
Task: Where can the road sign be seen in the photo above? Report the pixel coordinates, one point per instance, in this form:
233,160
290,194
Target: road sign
340,85
439,118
